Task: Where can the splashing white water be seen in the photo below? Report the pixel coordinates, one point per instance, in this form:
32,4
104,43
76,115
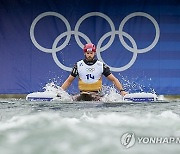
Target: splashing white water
135,85
52,91
111,95
53,88
63,95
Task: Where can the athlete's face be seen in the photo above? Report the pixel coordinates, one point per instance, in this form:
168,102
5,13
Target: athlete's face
89,55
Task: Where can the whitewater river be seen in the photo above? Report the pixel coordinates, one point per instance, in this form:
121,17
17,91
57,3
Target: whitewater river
89,127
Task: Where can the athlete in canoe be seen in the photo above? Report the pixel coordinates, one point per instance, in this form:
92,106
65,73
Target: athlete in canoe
90,71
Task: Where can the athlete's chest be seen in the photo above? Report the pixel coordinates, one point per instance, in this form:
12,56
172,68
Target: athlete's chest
90,71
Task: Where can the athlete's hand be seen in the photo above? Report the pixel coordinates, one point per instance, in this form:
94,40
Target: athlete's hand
123,93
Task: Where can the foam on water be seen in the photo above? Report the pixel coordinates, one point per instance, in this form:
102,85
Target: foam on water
48,132
111,119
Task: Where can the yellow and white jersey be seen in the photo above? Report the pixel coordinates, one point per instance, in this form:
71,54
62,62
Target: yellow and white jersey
90,76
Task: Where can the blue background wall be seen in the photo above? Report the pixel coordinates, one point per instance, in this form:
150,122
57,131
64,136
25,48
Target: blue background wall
25,67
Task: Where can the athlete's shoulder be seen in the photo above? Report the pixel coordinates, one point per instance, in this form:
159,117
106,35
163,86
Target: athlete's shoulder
99,63
80,63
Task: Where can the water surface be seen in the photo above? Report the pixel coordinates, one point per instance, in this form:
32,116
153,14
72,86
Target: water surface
86,127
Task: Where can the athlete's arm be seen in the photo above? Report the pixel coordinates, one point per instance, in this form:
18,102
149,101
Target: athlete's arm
70,79
74,71
106,70
117,84
68,82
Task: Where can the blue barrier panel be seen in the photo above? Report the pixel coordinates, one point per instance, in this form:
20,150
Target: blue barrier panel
41,40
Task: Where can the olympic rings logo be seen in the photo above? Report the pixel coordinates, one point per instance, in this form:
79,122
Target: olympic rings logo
100,49
90,69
